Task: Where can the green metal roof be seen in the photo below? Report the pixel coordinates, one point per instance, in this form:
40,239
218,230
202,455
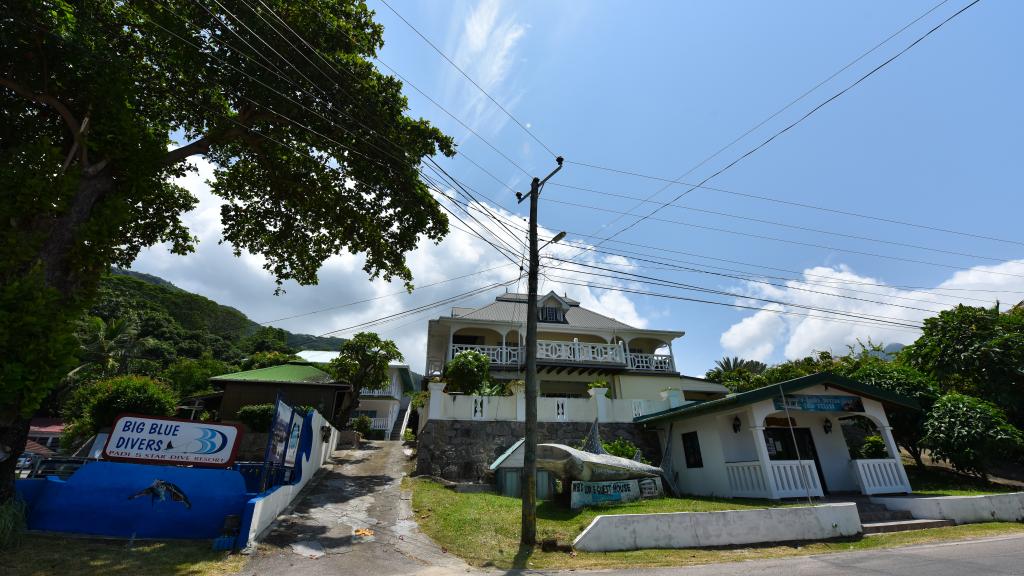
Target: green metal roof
771,391
507,453
295,372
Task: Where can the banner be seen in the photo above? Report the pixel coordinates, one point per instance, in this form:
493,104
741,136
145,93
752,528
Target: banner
280,427
813,403
155,440
591,493
293,440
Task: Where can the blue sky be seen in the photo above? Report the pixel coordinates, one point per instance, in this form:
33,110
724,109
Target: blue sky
654,88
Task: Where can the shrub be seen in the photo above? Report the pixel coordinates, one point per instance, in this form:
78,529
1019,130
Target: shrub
95,406
408,436
467,371
12,523
623,449
418,400
970,433
873,447
257,417
362,424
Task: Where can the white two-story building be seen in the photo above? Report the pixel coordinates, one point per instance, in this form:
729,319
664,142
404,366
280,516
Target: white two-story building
575,347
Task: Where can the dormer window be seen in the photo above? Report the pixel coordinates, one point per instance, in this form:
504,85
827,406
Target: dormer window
550,314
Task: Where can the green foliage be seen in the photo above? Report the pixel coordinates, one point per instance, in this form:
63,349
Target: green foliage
267,339
971,434
623,449
873,447
303,409
468,372
362,424
257,417
908,425
266,360
12,523
408,436
418,400
597,384
726,365
975,351
189,377
95,406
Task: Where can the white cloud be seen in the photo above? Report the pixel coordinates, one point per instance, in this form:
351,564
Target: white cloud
216,273
762,334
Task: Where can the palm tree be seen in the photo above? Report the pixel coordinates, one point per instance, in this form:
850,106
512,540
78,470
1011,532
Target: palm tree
727,364
108,346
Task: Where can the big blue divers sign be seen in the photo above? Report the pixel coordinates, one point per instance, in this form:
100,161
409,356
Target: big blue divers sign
151,440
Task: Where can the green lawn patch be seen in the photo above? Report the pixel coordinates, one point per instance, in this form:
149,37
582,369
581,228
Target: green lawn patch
483,529
45,555
936,481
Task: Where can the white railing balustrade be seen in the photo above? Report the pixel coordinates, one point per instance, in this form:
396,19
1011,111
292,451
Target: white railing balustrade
496,354
652,362
795,478
879,476
746,480
380,423
579,352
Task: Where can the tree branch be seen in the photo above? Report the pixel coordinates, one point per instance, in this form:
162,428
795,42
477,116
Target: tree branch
73,125
239,130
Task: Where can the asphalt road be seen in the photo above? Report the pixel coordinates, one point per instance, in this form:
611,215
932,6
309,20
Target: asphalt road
361,491
995,556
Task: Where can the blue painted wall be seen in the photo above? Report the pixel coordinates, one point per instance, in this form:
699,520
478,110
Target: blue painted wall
94,500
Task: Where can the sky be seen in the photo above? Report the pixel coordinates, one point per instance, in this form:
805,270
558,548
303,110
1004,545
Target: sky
657,88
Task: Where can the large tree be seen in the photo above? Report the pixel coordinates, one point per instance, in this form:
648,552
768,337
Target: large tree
105,101
363,363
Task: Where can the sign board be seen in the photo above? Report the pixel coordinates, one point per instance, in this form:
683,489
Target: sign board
816,403
293,439
591,493
155,440
280,429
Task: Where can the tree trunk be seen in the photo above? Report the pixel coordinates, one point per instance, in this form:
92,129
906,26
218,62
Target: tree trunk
345,413
13,434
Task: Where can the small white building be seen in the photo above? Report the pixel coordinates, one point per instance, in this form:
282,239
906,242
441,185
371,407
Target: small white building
780,441
386,408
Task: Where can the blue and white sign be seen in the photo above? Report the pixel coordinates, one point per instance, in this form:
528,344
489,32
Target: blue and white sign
152,440
614,492
819,403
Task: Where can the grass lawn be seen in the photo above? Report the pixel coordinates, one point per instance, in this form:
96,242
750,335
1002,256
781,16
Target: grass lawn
47,555
484,530
936,481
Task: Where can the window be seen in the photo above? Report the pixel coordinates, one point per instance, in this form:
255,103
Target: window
550,314
691,450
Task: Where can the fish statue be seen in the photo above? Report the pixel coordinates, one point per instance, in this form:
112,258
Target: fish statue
160,490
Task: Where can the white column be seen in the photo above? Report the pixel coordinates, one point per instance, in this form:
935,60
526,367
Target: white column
672,356
894,453
448,353
762,457
600,403
520,396
437,402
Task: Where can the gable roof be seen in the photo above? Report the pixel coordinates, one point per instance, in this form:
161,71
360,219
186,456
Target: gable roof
294,372
772,390
514,311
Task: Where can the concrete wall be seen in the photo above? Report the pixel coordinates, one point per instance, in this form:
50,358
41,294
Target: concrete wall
961,509
261,511
711,479
699,529
646,387
462,450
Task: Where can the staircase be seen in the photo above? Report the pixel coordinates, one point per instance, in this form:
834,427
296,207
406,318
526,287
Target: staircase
877,519
396,430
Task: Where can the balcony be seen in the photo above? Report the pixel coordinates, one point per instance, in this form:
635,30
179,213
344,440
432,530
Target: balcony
553,351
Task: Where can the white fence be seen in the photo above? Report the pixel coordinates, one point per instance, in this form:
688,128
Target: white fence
795,478
652,362
879,476
563,351
746,480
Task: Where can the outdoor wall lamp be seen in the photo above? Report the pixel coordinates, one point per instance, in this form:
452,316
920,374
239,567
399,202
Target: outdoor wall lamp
828,426
736,423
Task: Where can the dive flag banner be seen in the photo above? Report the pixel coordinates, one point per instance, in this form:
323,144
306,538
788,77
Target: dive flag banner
154,440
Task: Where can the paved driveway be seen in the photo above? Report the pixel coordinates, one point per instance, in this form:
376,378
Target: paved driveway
361,490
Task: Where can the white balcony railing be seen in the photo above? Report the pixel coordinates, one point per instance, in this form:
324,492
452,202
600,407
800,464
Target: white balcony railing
652,362
879,476
795,478
746,479
579,352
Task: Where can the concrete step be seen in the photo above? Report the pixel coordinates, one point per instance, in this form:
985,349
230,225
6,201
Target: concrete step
904,525
863,507
884,515
396,432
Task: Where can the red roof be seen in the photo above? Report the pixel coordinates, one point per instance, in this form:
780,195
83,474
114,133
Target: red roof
38,448
46,426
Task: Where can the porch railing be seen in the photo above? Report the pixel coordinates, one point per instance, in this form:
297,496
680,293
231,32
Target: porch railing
795,478
579,352
651,362
496,354
879,476
746,480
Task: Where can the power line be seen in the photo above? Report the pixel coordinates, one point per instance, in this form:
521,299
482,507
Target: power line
773,238
467,76
799,120
891,221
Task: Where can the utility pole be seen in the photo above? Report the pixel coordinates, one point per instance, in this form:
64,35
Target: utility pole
528,534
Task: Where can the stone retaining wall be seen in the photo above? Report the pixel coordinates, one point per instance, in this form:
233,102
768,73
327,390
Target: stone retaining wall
462,450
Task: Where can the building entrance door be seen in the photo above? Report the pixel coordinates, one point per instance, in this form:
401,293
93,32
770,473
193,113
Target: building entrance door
781,447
